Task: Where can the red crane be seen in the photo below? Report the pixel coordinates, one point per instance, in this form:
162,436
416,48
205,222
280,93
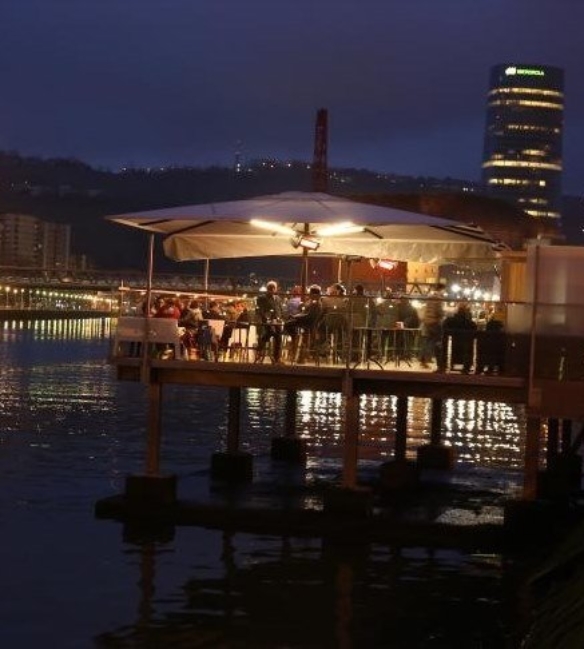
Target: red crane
319,163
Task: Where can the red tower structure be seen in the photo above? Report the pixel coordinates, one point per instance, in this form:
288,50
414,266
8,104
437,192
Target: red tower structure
319,178
319,163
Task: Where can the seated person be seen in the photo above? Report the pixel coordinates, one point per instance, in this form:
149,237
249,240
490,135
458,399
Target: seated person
191,315
293,303
407,314
310,312
243,317
190,318
213,311
386,311
334,323
167,308
307,319
362,314
230,311
335,299
157,304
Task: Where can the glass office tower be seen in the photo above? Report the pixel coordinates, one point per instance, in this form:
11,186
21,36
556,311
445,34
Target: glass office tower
522,160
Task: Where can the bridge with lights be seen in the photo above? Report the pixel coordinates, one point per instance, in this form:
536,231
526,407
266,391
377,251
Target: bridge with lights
35,289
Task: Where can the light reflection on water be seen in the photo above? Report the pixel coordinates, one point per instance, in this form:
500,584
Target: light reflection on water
483,433
70,433
488,434
57,329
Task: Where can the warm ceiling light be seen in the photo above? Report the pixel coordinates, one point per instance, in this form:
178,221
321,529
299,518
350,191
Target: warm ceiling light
273,227
339,228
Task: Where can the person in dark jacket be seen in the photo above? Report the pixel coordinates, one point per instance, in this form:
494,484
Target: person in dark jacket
306,321
461,328
269,311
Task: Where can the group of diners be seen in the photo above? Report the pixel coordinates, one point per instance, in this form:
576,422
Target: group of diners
354,328
195,317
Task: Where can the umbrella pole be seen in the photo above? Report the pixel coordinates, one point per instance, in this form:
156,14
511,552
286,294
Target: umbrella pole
150,274
304,271
349,276
206,282
145,365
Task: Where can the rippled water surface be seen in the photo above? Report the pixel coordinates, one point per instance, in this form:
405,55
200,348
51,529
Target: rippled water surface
70,433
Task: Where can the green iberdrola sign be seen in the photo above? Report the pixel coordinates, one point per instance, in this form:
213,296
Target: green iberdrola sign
530,72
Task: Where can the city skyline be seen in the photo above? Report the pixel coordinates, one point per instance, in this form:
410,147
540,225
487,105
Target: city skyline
155,84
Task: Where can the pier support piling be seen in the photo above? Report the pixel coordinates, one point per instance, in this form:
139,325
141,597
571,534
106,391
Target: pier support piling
351,441
152,489
398,474
233,465
349,499
289,448
434,455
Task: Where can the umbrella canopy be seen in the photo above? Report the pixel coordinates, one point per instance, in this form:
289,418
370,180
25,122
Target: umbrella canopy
231,229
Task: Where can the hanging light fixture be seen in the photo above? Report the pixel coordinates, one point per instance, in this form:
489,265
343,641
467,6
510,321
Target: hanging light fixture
307,242
383,264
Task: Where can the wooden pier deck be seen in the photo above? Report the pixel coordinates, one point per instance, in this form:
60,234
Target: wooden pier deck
361,516
545,398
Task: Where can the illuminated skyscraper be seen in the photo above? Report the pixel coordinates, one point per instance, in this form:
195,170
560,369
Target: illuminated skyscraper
522,160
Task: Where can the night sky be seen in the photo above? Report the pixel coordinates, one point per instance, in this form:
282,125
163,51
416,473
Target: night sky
159,82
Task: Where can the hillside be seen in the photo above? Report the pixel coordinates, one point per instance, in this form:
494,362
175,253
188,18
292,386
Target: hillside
69,191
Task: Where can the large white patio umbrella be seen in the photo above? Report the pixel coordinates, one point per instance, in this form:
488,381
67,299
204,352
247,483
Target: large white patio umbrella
276,225
292,223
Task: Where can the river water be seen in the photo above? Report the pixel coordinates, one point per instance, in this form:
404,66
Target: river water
70,433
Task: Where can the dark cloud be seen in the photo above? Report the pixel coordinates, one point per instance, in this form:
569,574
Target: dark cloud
175,81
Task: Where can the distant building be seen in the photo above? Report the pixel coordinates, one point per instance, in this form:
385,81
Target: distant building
28,242
522,160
